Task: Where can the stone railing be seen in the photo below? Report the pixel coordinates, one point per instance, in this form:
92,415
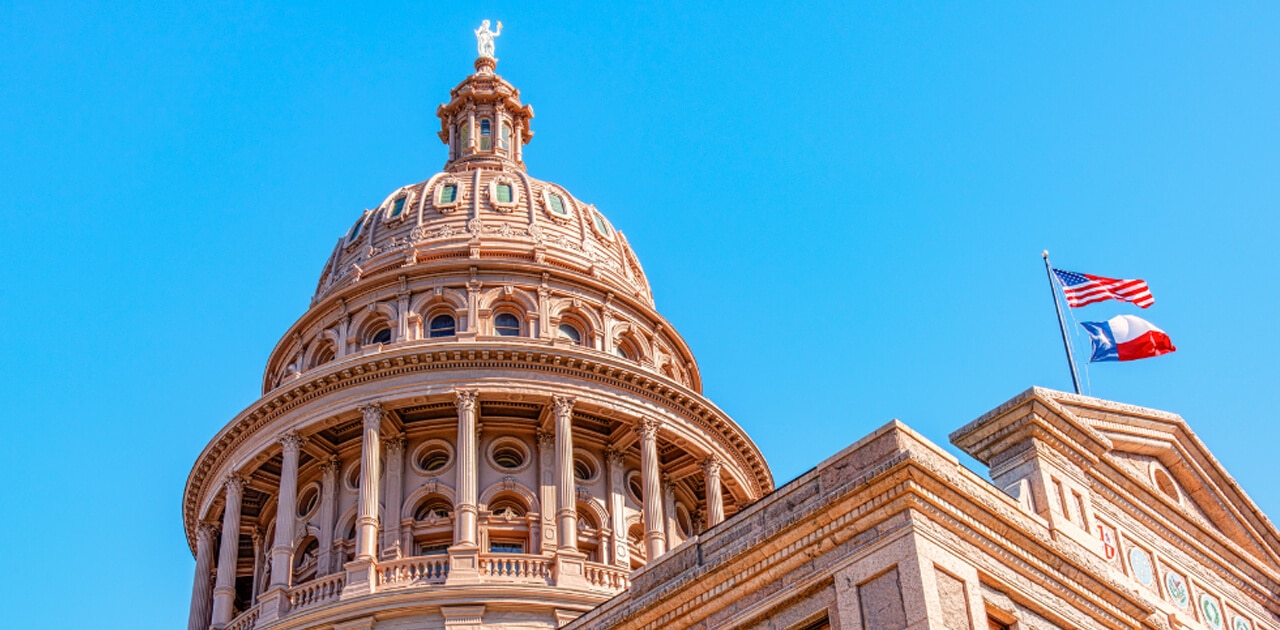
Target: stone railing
413,570
515,567
606,578
316,591
245,621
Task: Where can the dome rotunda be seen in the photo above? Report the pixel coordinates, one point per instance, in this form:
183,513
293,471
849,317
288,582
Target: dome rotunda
481,416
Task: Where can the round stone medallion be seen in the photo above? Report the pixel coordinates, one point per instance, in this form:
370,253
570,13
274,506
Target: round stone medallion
1140,562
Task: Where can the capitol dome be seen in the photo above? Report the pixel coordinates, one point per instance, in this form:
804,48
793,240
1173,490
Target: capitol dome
481,415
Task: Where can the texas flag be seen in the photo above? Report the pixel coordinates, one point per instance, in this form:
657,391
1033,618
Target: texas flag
1125,338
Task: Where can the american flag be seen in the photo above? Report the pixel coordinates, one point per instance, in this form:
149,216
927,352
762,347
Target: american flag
1082,289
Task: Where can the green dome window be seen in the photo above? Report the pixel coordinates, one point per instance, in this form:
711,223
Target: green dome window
504,193
557,205
354,232
601,225
448,193
504,140
397,207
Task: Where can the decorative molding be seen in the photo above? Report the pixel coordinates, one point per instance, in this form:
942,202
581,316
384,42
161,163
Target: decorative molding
563,405
647,428
292,442
465,399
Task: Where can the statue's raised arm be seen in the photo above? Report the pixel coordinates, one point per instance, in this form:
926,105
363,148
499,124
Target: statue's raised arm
484,39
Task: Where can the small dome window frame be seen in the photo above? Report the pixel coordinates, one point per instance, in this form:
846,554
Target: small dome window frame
495,201
437,195
397,206
486,134
357,230
432,330
566,204
599,224
312,490
587,463
633,477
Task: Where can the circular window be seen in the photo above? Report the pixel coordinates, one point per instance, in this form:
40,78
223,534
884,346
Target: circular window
506,325
432,457
308,501
586,468
635,487
509,455
352,479
683,521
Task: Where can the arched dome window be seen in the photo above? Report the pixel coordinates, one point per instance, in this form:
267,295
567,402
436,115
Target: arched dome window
397,207
569,332
433,508
504,140
354,232
506,325
464,136
383,335
486,135
504,192
441,326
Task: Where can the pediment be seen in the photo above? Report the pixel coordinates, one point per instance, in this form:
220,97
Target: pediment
1152,449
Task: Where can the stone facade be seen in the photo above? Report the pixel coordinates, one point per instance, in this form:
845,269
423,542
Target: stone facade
483,422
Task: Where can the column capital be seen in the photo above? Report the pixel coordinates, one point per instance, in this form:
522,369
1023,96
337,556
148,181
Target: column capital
235,482
394,445
546,439
563,405
711,465
613,456
373,413
206,533
465,399
647,428
332,466
292,442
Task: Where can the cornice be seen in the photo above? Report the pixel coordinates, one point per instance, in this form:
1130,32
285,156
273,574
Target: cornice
428,355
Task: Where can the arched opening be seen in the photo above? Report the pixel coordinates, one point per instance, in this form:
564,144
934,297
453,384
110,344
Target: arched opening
504,140
441,326
508,524
305,560
486,135
506,325
589,534
432,525
635,545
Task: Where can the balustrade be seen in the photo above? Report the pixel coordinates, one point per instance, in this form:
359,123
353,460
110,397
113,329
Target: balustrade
245,620
515,568
606,578
414,570
317,591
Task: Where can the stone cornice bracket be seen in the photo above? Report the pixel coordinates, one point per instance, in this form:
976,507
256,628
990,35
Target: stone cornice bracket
373,413
292,442
563,405
711,466
648,427
465,399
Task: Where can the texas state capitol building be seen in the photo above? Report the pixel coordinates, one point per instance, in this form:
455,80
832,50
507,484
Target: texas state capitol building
483,422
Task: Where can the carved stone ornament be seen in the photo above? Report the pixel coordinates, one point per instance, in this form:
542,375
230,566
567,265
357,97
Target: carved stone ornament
372,413
712,465
647,428
394,445
546,439
235,483
613,457
207,532
331,467
465,399
563,405
291,442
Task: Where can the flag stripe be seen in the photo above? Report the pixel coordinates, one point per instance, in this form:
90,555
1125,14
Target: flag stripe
1082,289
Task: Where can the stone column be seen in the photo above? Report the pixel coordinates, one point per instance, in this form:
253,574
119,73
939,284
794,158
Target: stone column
566,485
613,461
258,569
224,592
715,502
464,555
370,455
547,488
286,513
395,479
672,528
655,540
328,511
466,510
202,584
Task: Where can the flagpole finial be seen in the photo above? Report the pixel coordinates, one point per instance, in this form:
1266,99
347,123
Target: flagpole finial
1045,254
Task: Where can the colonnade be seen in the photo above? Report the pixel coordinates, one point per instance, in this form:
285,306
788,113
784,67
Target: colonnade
212,606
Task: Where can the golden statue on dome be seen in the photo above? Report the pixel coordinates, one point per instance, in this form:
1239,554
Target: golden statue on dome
484,39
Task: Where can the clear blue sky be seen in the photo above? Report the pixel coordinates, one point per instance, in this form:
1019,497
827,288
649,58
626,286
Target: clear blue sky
840,206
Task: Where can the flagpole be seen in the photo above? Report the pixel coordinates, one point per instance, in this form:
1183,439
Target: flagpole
1062,324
